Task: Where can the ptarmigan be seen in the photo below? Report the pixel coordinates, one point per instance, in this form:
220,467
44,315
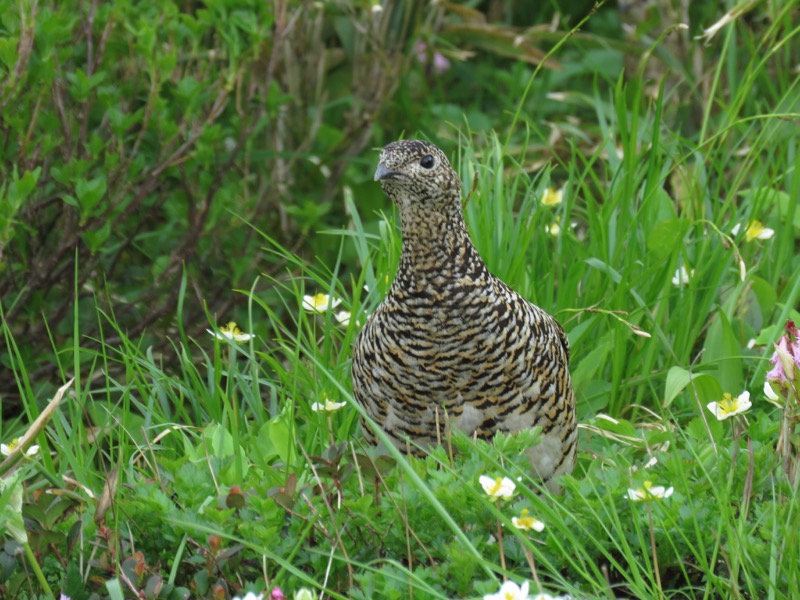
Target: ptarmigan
452,345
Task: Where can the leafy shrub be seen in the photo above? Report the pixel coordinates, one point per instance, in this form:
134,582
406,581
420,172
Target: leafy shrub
139,137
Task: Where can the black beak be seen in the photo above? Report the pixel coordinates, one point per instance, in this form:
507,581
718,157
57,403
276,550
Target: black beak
382,173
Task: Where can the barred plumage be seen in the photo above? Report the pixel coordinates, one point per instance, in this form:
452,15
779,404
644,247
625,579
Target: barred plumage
452,345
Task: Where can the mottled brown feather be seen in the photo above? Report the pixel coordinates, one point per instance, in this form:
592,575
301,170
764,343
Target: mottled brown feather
452,345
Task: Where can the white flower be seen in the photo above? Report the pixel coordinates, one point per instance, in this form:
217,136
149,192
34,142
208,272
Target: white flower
553,229
328,406
552,197
649,492
730,406
304,594
320,303
376,8
526,522
7,449
682,276
498,487
342,317
510,591
249,596
755,231
231,332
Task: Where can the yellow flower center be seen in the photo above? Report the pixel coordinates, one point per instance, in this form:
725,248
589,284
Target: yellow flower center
498,483
524,521
231,328
552,197
12,445
728,404
754,229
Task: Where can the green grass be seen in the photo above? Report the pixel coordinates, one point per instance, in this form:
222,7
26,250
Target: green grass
215,476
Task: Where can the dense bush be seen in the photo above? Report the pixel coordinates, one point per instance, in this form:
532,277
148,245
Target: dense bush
140,138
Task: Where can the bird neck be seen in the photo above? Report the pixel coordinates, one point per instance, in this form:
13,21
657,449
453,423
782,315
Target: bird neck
436,240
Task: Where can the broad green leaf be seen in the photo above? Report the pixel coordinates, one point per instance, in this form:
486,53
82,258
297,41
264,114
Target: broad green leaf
282,438
221,444
594,362
665,236
704,385
677,379
723,352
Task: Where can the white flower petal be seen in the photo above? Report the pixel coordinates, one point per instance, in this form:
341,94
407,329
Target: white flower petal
730,406
497,487
510,591
342,317
649,492
250,596
682,276
766,233
328,406
769,392
320,303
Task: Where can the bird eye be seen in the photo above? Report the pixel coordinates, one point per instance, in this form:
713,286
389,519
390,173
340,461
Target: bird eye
427,161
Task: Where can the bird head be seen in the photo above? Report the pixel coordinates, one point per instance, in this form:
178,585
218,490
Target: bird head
413,171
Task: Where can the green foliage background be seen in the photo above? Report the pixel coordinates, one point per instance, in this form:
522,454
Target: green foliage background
167,167
139,138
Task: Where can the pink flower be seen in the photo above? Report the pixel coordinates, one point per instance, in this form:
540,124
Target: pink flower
277,594
786,359
440,62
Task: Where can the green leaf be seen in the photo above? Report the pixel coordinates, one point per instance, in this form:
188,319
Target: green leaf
665,237
80,85
11,513
594,361
598,264
705,385
8,52
677,379
21,187
95,238
114,588
221,445
723,352
90,192
282,438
